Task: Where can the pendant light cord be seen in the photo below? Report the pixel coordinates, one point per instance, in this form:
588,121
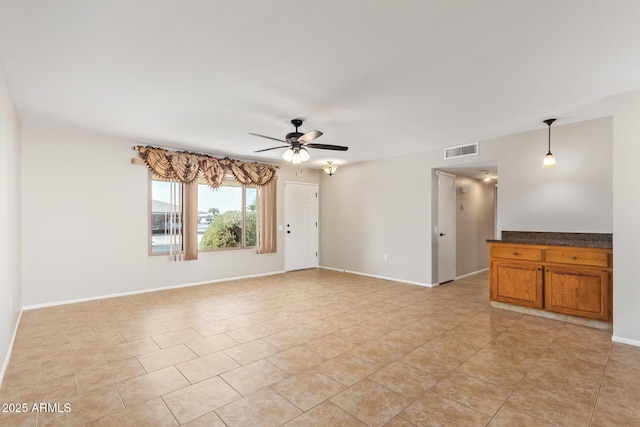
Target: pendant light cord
549,122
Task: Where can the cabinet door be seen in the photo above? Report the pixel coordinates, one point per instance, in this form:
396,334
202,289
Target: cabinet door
578,291
517,283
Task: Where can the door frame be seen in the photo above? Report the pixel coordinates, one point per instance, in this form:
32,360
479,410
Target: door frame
317,211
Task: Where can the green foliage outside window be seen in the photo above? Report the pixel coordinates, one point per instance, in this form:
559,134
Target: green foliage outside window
225,230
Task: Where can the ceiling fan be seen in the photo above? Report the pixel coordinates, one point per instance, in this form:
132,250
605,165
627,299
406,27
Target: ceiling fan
298,142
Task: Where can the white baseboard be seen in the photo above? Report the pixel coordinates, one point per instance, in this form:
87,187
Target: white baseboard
625,341
471,274
144,291
5,365
411,282
375,276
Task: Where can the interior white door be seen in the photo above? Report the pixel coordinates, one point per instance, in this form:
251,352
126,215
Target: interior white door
301,225
446,228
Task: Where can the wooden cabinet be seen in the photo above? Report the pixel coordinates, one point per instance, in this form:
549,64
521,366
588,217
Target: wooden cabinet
568,280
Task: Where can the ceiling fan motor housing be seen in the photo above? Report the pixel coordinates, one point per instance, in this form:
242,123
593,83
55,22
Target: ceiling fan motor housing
293,136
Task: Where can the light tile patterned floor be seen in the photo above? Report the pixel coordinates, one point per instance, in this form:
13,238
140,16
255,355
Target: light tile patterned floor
315,348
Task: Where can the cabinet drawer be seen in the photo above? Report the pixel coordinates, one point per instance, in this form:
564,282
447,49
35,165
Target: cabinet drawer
573,256
517,252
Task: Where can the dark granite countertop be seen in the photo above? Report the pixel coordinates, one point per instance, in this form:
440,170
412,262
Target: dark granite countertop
583,240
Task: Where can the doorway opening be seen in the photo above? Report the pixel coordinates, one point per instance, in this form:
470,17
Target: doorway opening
474,219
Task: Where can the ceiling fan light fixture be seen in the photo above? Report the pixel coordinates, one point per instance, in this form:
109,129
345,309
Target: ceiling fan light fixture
330,168
296,158
549,160
296,155
288,155
304,154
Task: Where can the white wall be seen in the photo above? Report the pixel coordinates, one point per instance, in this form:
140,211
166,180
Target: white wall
475,223
376,208
626,208
573,197
85,223
386,206
10,241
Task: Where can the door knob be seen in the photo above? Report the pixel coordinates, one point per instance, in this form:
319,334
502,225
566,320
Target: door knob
442,234
288,231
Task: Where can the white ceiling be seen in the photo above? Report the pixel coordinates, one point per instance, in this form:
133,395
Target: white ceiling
382,77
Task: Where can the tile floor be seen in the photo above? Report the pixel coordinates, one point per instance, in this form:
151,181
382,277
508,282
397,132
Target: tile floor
315,348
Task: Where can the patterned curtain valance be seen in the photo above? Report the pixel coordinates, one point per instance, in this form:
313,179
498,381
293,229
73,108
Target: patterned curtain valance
185,167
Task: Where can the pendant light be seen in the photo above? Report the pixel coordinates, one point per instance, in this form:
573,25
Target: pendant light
330,168
549,161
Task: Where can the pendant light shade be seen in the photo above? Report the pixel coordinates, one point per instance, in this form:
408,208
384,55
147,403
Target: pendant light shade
549,160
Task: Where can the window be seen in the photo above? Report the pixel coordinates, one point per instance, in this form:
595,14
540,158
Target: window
166,217
226,217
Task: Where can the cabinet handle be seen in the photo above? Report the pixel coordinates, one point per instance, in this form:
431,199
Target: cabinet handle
575,257
516,253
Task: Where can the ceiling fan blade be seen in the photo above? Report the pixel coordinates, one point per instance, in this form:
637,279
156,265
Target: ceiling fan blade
268,137
327,147
310,136
272,148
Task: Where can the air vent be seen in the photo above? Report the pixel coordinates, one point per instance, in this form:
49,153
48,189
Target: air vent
461,151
